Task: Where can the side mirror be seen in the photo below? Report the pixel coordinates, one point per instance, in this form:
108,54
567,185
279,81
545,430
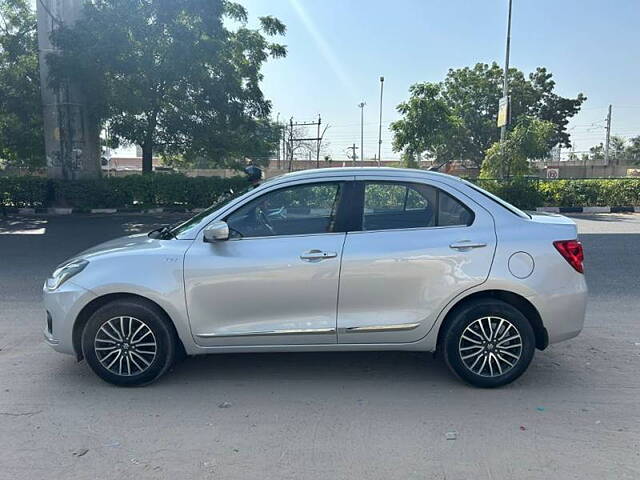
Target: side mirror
216,232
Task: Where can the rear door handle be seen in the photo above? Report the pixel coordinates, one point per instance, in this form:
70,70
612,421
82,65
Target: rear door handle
312,255
467,245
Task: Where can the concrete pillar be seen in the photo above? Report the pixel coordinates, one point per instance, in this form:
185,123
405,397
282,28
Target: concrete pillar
72,138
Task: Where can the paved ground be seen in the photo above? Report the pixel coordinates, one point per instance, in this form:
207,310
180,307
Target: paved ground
574,415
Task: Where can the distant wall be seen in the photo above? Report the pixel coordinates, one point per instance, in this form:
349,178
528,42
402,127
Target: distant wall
589,171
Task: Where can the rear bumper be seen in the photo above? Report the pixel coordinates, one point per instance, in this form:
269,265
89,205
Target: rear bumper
563,313
62,308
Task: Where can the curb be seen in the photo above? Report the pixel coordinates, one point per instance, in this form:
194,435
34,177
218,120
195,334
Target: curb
59,211
588,209
110,211
103,210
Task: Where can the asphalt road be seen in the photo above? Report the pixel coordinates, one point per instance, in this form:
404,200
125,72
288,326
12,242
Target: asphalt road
574,415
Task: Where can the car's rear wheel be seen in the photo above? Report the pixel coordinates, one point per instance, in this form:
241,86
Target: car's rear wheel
488,343
128,343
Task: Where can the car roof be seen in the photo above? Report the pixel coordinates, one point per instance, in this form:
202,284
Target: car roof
367,171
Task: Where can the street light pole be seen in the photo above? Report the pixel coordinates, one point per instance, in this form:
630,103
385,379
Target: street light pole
505,85
380,122
505,90
361,105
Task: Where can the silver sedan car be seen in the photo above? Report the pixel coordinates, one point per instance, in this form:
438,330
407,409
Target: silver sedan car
328,260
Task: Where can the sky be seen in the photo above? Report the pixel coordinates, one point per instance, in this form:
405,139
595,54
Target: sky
338,49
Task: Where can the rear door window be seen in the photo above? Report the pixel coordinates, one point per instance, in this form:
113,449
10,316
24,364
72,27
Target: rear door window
399,205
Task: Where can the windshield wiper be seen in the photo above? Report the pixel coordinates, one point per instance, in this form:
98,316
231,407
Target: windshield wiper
163,233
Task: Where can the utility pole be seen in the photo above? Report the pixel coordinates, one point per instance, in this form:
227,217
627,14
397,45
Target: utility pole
608,138
290,147
285,153
354,155
72,137
317,139
361,105
505,91
280,132
318,144
380,122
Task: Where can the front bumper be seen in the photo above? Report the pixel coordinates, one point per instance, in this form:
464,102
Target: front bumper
62,308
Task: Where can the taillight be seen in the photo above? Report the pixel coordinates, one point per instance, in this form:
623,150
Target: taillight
572,252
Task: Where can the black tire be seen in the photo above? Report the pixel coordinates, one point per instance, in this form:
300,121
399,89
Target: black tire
132,313
469,318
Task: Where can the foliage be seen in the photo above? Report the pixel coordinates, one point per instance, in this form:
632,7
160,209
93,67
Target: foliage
591,192
523,192
529,139
633,150
174,190
621,151
409,160
118,192
26,191
172,77
617,148
528,193
596,153
456,118
428,123
21,134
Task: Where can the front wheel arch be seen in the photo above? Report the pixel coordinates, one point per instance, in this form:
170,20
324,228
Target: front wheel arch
517,301
93,306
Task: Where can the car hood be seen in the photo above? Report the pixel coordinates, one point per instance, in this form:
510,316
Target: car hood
140,241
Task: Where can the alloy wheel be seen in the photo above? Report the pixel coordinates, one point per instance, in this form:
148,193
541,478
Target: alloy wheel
490,346
125,346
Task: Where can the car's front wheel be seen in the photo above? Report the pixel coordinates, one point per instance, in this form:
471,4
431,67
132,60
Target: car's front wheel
488,343
128,343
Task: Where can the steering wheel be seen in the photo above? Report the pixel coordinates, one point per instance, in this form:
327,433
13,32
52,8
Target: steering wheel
280,214
262,220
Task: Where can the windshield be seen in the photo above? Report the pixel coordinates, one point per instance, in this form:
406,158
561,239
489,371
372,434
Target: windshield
222,201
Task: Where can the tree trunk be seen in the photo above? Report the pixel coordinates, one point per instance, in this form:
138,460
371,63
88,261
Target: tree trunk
147,158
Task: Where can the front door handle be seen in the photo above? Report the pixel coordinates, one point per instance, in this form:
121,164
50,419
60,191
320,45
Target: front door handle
312,255
466,245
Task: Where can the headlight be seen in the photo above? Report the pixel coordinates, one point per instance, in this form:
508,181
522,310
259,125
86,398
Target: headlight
65,272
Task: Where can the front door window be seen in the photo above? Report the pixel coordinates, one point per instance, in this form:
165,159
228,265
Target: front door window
298,210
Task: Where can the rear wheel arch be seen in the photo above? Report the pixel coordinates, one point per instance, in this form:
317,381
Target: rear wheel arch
95,304
515,300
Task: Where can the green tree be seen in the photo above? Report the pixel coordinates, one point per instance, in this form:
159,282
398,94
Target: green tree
633,150
409,160
596,153
173,76
467,103
617,148
21,135
427,125
529,139
573,157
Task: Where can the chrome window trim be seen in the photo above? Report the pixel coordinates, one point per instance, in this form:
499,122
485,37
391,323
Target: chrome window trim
407,229
264,237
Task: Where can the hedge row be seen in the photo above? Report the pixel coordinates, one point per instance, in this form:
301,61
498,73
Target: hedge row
529,193
117,192
197,192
